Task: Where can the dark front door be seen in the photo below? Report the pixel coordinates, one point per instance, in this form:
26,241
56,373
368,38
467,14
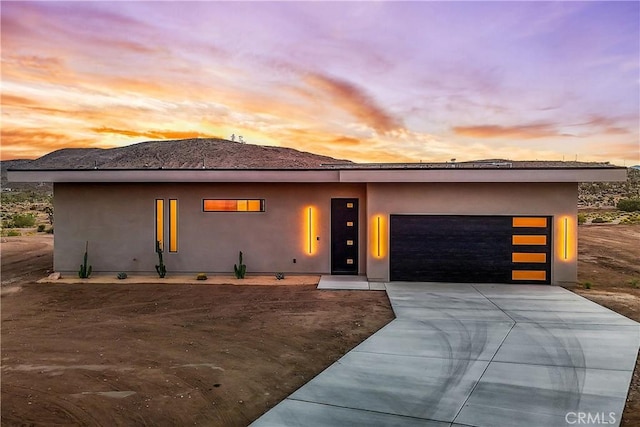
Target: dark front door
344,236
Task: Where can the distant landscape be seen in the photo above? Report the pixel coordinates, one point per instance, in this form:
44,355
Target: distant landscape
596,201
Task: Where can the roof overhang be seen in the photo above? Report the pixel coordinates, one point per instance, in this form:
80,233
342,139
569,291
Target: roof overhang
609,174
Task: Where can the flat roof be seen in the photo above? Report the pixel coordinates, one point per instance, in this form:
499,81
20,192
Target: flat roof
497,171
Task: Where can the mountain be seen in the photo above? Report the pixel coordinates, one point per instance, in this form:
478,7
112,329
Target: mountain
177,154
224,154
185,153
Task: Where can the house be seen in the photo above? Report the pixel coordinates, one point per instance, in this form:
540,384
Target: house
492,222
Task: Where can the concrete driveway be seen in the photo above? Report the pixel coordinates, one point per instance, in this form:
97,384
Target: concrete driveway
476,355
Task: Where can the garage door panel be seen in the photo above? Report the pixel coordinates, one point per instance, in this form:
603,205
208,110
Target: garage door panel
468,248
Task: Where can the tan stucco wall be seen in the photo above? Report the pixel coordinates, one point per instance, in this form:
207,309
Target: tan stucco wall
118,220
555,199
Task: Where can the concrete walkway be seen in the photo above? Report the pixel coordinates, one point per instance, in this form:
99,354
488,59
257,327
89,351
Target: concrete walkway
476,355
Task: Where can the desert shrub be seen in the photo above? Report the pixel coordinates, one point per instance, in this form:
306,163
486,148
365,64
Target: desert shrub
201,276
587,285
279,276
40,228
23,220
599,220
13,233
50,230
582,218
122,275
629,205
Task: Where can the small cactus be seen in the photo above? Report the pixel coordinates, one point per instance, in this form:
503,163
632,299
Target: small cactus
240,269
279,276
85,271
160,268
122,275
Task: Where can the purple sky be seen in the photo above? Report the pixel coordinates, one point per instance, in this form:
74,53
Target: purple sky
368,81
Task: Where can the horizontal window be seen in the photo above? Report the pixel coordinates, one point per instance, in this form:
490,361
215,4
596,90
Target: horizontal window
528,275
233,205
529,222
529,240
528,257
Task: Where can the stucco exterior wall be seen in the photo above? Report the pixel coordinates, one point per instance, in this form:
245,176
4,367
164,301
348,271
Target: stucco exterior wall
118,220
555,199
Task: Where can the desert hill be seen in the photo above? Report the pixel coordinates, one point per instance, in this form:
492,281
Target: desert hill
184,153
175,154
224,154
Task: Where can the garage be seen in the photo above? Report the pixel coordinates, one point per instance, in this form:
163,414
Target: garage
470,248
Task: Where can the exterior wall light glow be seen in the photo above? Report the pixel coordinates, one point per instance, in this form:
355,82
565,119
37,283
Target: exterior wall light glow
566,239
378,236
310,230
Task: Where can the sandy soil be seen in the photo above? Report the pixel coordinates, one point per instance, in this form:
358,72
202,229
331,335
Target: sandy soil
213,355
138,354
25,259
608,258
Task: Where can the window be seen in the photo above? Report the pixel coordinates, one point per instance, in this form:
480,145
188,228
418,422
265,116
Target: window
233,205
173,225
160,222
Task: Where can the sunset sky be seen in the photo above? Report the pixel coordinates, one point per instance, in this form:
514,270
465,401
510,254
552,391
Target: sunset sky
367,81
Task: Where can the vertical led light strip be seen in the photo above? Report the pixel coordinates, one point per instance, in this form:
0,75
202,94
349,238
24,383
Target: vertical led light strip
310,232
173,225
379,236
159,223
566,238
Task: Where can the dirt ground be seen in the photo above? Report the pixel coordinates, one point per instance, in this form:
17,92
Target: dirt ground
212,355
164,355
609,259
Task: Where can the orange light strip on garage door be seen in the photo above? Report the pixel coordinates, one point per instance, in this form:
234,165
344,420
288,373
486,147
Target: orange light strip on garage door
528,275
529,222
529,240
529,257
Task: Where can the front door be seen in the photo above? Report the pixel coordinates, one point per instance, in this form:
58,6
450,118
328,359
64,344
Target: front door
344,236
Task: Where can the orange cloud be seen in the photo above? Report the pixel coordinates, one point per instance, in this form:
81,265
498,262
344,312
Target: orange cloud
155,134
29,143
355,101
529,131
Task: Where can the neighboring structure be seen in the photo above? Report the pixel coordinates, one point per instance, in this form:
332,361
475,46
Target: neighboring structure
454,222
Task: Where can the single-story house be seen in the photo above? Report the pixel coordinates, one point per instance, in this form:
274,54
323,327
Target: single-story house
492,222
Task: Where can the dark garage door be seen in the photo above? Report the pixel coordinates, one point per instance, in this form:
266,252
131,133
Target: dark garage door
480,249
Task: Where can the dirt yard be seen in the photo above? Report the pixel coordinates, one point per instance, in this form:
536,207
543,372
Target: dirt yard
164,355
212,355
609,259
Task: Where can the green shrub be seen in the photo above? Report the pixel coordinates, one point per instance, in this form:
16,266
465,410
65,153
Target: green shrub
40,228
24,220
201,276
635,283
13,233
587,285
599,220
122,275
582,218
629,205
